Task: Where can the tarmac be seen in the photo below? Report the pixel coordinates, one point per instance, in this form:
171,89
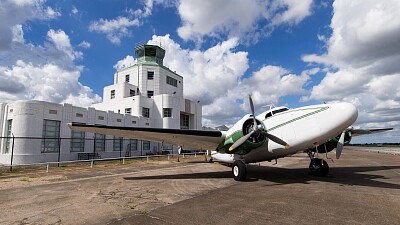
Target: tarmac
362,188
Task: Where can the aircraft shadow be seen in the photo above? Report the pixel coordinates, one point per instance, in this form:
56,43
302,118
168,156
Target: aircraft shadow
355,176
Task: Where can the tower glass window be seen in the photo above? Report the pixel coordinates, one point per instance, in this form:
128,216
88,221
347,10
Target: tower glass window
51,136
150,94
172,81
128,110
131,93
150,75
127,78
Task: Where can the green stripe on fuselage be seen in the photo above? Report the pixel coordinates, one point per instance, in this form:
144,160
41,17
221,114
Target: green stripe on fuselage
247,146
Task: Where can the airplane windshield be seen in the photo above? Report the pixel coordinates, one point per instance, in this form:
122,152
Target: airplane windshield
275,112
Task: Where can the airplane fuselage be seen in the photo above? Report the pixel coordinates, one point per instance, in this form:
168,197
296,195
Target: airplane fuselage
302,128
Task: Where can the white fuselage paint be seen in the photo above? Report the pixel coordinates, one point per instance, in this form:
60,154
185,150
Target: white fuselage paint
302,128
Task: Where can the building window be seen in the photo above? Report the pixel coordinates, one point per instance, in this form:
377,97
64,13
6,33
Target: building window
117,144
8,143
101,117
132,145
128,110
119,120
150,94
134,122
146,145
51,136
131,93
127,78
112,94
146,112
167,112
99,142
172,81
184,121
150,75
80,115
77,141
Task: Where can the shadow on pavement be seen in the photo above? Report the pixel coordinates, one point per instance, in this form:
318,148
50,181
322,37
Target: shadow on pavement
355,176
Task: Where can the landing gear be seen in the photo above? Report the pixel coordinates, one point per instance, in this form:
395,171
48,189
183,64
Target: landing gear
318,167
239,170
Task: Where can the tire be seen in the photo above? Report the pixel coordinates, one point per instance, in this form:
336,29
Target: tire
319,167
239,170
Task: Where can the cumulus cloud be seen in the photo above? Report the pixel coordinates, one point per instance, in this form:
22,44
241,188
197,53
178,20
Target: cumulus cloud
84,44
61,41
115,29
238,18
222,68
14,12
38,71
362,60
48,82
126,62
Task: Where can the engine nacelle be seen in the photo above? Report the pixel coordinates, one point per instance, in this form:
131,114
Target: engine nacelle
240,129
331,144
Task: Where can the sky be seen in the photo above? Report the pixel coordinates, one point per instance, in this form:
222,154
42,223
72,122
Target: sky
282,52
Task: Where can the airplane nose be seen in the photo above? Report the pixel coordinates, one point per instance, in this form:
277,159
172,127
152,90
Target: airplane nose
344,114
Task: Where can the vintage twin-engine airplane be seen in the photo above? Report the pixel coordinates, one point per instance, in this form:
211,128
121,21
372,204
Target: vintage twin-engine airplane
274,134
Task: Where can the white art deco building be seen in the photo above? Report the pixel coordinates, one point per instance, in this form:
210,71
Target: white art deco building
146,94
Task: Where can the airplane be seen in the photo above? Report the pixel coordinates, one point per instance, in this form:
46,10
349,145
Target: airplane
275,133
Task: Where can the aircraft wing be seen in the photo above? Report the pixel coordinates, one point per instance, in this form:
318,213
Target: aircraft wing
358,132
187,139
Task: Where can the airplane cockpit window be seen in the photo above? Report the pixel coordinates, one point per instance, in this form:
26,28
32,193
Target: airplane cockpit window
275,112
268,115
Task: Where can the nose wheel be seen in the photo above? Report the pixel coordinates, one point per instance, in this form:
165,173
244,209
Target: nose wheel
319,167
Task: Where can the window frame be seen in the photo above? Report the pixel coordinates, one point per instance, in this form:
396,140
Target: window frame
50,137
146,112
150,75
167,112
78,141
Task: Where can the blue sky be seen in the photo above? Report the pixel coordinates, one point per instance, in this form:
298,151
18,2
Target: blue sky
283,52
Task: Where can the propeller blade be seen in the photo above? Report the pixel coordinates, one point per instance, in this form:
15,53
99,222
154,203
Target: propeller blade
241,140
276,139
339,146
252,111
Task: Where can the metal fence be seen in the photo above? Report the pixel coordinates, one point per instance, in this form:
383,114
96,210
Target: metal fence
26,151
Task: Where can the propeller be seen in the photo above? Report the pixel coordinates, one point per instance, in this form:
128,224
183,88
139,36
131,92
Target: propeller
339,146
256,128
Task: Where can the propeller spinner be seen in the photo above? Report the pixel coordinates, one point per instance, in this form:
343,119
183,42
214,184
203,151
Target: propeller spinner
256,128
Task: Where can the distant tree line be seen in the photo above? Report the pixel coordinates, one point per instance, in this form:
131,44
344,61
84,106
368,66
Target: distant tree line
376,144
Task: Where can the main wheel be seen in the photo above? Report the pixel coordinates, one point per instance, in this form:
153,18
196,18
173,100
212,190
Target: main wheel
239,170
319,167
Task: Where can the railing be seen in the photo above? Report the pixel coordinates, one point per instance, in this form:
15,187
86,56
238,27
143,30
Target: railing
24,145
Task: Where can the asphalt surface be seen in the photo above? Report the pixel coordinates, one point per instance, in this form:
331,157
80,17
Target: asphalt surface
362,188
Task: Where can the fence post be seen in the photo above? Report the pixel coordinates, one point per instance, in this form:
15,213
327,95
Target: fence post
12,152
47,168
147,159
168,157
59,151
123,160
91,164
